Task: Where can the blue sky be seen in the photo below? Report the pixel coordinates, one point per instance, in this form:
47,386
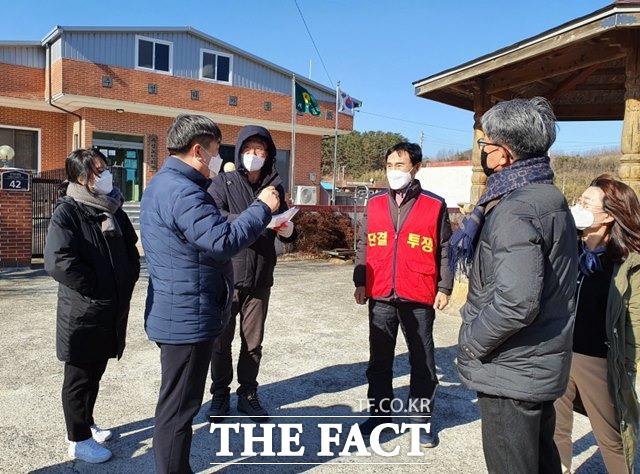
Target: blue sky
375,49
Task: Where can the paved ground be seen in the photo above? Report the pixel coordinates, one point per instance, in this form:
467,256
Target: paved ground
313,373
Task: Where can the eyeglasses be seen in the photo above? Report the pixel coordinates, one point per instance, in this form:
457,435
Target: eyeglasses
482,143
594,207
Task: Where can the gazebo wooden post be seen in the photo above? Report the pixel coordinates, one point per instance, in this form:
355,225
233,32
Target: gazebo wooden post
629,169
481,104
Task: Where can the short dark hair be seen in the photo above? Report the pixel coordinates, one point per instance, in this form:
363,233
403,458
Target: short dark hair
188,129
412,149
79,164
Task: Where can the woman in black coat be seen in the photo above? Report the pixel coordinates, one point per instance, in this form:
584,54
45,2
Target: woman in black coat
91,252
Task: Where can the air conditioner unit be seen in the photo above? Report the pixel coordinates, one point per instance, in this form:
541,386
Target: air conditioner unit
306,195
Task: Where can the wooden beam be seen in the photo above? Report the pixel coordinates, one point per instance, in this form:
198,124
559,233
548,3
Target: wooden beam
571,82
519,53
581,112
570,60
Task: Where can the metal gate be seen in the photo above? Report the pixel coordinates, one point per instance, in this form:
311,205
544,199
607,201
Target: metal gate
44,194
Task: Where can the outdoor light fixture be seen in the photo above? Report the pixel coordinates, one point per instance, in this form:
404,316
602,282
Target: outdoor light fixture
120,111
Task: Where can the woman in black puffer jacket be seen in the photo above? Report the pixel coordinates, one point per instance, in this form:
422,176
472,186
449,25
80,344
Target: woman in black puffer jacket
91,252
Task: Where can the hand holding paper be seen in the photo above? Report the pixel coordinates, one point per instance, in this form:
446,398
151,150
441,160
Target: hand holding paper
278,219
285,230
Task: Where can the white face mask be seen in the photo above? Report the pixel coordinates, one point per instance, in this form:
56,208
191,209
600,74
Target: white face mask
215,163
398,179
252,162
583,218
103,183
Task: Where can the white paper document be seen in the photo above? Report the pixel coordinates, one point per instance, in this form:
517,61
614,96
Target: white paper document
278,219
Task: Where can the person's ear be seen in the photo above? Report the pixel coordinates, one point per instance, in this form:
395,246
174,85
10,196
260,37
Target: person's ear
608,218
506,157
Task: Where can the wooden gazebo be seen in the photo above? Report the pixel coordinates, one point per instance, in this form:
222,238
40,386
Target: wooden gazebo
589,68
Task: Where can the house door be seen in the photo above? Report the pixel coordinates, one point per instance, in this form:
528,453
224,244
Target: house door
124,159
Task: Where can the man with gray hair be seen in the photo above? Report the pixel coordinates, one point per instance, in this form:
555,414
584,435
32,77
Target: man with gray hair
519,249
188,246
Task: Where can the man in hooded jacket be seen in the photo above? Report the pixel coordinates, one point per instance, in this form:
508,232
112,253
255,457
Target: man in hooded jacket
233,192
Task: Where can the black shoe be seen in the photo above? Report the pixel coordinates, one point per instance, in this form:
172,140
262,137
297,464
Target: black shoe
367,427
429,440
219,407
250,404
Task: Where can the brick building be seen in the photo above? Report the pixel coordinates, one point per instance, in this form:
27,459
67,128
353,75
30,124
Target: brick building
119,89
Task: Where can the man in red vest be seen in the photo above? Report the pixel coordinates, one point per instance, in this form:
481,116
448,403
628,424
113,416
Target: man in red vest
402,270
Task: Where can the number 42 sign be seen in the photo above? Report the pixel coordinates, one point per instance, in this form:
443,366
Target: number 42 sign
15,181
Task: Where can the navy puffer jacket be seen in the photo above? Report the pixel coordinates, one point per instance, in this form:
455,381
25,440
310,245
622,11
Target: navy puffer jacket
188,246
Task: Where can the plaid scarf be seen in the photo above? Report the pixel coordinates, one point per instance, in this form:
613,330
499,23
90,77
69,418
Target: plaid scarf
462,244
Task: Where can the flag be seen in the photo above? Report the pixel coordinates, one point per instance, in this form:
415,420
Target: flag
346,104
305,102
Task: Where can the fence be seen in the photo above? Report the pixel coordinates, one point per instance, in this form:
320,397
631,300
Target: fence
44,194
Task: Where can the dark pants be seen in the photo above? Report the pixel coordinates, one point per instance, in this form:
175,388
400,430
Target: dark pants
517,436
79,392
252,305
416,321
184,375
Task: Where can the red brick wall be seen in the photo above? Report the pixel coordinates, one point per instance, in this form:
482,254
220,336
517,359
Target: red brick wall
85,79
15,228
21,82
55,132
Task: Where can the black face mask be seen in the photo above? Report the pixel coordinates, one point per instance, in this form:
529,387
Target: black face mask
485,167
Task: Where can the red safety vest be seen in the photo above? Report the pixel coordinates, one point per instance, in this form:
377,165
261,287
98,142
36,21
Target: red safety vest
403,260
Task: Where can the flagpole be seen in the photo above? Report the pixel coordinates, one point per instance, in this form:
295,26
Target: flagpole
292,178
335,149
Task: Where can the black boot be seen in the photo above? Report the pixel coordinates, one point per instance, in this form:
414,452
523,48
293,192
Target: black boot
249,403
367,426
420,411
219,407
379,414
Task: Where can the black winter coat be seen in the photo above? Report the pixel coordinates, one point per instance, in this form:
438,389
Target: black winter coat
96,276
516,336
252,267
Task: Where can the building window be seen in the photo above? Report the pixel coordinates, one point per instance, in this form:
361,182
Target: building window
215,66
25,146
154,55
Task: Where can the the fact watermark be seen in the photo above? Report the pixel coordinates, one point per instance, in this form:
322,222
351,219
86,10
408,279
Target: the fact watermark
320,441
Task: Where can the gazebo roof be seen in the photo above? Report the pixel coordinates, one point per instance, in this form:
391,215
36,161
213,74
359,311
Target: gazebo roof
579,66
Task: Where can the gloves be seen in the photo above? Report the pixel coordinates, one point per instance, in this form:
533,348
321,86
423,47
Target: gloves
286,229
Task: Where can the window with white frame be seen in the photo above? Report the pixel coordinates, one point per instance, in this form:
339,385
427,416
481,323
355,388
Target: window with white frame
154,54
215,66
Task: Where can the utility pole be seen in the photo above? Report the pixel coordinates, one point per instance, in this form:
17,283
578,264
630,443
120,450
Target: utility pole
421,139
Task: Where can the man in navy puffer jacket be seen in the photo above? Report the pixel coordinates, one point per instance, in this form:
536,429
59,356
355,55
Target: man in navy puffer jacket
188,246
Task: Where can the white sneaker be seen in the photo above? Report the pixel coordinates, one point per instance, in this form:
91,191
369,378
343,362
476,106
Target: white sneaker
89,450
100,435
